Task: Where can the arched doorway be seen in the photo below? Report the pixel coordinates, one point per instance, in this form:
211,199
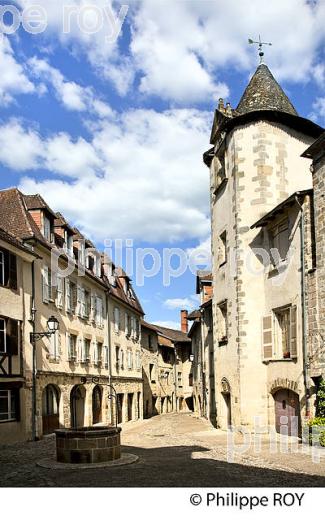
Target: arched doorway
97,404
50,409
287,412
77,406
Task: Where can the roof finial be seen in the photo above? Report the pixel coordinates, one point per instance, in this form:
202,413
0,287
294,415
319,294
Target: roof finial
260,47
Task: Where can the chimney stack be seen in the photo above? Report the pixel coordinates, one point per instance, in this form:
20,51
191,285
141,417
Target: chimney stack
184,322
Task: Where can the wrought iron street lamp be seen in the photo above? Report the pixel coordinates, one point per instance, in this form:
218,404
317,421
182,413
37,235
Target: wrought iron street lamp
52,326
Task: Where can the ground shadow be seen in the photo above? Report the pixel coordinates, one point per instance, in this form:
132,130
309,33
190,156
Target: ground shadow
160,467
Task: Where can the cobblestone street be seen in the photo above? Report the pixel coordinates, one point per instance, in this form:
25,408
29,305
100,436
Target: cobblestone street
173,450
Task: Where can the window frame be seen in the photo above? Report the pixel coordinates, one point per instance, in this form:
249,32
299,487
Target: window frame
12,396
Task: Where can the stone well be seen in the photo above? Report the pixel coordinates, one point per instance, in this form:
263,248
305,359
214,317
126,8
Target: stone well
89,445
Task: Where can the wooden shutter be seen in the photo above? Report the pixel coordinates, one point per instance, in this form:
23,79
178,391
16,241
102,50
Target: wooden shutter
45,284
12,271
267,337
293,332
12,333
74,301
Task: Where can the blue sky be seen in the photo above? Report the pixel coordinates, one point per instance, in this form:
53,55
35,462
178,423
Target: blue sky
112,133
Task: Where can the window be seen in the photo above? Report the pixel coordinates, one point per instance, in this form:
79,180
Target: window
117,319
138,360
59,293
9,405
121,359
87,349
218,171
99,353
127,324
223,322
137,328
280,334
9,336
180,379
150,342
54,346
280,242
130,360
99,312
106,356
152,373
47,284
8,269
190,380
72,347
47,228
87,303
68,305
117,357
80,301
3,338
223,248
132,327
81,253
68,243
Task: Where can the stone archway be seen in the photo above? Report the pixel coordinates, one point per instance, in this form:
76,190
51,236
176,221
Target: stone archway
77,406
287,412
50,409
97,404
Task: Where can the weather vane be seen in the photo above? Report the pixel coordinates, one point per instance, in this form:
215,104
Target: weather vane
260,46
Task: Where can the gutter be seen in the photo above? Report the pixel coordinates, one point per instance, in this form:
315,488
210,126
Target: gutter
304,307
34,362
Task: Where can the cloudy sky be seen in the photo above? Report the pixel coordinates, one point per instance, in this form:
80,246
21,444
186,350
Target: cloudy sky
111,131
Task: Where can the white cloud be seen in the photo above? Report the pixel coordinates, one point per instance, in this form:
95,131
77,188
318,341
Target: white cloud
179,49
181,303
103,56
318,110
13,78
151,183
169,324
24,149
73,96
20,148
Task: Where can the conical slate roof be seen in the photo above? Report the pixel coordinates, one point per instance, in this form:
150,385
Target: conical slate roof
264,93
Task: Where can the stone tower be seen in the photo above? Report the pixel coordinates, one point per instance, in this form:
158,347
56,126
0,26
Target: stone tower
255,165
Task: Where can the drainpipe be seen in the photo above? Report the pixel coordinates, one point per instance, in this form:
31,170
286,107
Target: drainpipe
34,361
109,353
303,304
175,378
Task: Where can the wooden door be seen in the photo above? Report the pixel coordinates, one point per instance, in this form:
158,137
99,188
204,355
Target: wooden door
50,414
130,406
287,412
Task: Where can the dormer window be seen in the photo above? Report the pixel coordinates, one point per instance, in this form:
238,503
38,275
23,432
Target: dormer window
47,228
68,243
82,253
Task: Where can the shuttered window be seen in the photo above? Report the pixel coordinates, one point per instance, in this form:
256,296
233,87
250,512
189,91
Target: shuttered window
8,269
46,284
116,319
59,292
10,336
293,332
267,339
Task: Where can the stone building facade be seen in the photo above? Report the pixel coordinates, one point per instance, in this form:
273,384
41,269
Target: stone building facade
316,292
201,334
256,172
16,262
167,370
98,313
